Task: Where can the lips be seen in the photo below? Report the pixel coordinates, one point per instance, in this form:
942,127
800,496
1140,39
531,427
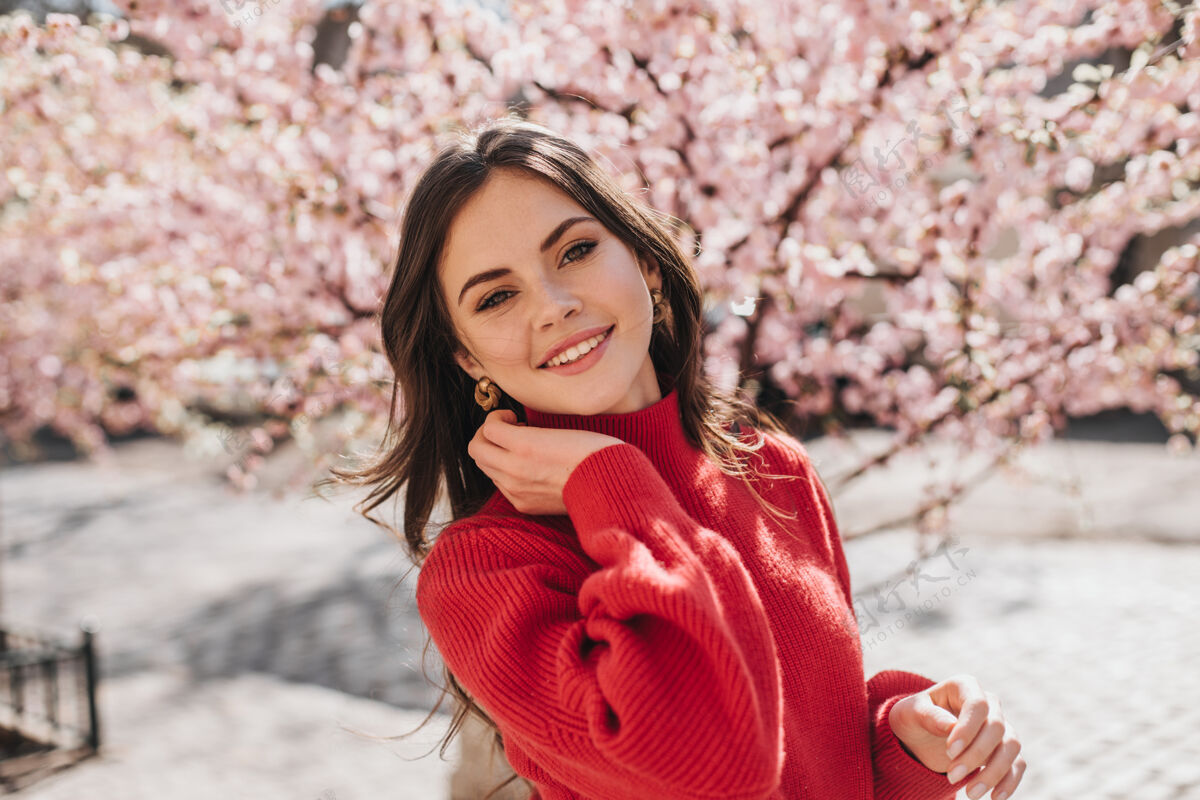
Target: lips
571,341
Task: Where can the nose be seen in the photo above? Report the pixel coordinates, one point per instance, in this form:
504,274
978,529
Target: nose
555,302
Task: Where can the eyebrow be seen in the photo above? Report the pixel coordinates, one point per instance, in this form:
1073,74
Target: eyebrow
500,272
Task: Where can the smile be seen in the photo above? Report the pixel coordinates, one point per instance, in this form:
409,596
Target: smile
581,360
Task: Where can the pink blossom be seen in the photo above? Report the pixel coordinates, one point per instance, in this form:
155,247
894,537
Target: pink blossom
198,230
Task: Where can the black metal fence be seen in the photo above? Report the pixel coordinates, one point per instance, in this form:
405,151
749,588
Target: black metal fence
47,703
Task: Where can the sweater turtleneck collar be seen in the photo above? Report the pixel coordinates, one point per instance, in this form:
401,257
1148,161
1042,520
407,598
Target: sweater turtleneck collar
656,430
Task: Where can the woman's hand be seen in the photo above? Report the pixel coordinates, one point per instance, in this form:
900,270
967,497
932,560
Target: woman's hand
530,465
955,726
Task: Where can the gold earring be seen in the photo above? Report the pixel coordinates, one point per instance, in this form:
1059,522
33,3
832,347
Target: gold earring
660,305
487,394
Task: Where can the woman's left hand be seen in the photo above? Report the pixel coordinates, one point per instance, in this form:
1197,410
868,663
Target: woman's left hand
956,727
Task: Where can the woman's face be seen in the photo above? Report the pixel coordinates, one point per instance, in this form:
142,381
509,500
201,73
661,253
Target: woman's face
551,279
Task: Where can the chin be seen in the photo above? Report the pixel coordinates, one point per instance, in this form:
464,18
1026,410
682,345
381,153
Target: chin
589,393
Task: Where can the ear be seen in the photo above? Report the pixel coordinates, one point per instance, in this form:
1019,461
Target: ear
467,363
650,271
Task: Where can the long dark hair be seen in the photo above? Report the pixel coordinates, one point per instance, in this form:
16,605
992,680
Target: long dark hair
425,449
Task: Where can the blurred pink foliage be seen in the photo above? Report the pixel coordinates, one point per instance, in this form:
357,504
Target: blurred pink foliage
214,229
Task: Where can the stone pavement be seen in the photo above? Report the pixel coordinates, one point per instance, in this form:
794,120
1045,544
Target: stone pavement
1066,488
239,635
1075,600
250,737
1089,646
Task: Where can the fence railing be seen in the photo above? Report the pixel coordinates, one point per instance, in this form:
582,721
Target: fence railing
48,713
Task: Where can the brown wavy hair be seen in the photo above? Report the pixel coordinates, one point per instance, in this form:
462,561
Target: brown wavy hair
424,451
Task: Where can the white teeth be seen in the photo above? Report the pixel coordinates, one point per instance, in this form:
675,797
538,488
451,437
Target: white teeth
576,351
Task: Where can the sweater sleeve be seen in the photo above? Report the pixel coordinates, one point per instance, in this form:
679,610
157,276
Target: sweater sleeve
897,775
655,676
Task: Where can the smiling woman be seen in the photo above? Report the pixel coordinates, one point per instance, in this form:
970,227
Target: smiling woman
613,595
567,280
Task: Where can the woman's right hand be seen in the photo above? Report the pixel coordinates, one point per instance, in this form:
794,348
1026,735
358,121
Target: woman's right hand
530,465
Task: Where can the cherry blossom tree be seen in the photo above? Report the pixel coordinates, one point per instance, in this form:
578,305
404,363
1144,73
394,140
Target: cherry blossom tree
906,214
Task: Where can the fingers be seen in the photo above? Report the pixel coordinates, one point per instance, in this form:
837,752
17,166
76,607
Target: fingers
505,415
1008,785
934,718
966,695
994,747
491,456
498,426
999,767
981,738
978,752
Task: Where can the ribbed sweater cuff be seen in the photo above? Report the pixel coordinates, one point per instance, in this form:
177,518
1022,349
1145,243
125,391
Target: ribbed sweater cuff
899,776
631,491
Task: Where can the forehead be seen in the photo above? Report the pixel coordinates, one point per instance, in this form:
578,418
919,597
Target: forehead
511,213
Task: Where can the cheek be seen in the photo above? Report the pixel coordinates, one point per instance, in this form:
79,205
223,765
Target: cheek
628,293
503,345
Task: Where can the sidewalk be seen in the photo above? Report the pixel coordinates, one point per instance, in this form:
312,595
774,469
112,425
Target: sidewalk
1089,646
237,634
1071,488
250,737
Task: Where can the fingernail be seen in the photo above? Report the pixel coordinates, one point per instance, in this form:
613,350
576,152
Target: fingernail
957,773
999,795
976,791
955,749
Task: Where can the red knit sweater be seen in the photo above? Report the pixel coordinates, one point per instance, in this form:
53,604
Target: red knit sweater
666,638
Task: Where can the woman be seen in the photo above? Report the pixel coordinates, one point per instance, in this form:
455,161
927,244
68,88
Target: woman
618,593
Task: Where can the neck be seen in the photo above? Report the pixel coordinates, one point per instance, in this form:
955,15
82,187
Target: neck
656,430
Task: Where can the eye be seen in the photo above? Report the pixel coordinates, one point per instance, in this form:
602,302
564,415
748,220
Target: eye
587,249
487,301
586,246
